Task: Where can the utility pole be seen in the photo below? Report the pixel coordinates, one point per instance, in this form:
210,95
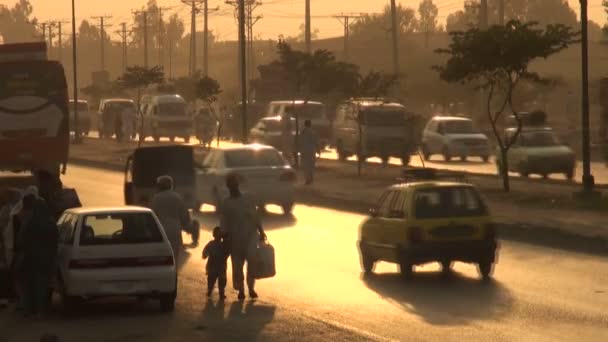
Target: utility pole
395,27
75,74
102,38
345,19
144,16
193,11
588,180
159,42
307,28
252,5
243,63
60,43
43,32
50,26
124,35
206,12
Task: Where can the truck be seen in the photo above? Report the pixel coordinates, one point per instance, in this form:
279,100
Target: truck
34,114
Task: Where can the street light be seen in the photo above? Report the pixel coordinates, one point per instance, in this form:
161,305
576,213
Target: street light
75,74
588,181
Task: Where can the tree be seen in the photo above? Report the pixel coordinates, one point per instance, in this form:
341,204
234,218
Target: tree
17,23
377,26
208,90
464,19
499,58
139,78
427,23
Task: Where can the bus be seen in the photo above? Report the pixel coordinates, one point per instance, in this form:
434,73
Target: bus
34,114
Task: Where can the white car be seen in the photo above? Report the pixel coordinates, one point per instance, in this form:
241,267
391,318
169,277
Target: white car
454,136
265,175
114,252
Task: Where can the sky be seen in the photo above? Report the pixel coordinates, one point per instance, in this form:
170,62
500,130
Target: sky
279,17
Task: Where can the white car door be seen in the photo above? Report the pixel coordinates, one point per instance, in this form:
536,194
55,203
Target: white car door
67,225
208,177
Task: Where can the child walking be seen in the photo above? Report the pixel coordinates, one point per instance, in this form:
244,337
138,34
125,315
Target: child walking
217,254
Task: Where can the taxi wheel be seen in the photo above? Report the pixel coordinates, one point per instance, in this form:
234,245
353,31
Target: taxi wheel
385,160
569,174
446,154
367,262
463,158
406,159
167,302
485,158
156,138
187,139
425,153
406,269
446,267
287,208
485,270
172,138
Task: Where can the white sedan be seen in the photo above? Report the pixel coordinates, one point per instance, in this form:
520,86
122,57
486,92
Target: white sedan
114,252
265,175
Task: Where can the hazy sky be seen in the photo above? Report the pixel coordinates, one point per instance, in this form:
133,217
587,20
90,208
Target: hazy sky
279,16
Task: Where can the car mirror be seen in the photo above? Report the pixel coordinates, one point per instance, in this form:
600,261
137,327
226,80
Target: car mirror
373,212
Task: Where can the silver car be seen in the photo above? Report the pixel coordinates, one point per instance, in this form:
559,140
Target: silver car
453,136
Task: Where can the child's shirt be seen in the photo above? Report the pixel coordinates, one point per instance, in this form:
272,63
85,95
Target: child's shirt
217,253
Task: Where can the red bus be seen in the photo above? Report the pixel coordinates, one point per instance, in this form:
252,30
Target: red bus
34,114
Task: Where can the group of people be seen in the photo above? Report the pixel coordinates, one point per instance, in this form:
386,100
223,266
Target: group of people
28,242
307,146
237,235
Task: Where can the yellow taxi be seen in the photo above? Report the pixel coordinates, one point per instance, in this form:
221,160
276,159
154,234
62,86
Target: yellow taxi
429,221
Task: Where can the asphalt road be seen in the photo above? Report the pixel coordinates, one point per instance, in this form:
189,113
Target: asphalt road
319,293
473,164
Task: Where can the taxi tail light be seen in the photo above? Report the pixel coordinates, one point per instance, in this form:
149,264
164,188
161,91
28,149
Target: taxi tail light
490,231
415,235
288,176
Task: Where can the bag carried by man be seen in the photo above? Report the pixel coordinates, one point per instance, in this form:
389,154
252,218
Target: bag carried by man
264,264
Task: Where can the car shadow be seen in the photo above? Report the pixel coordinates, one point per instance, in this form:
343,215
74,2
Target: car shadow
243,320
441,300
458,162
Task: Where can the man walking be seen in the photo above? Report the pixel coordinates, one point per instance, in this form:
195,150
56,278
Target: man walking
172,212
308,147
240,223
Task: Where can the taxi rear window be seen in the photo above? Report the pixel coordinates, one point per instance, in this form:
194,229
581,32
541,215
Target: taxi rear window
448,202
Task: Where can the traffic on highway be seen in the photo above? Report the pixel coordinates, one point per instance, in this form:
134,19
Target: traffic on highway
325,201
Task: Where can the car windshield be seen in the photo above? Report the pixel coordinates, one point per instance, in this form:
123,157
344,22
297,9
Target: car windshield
172,109
458,127
448,202
118,107
119,229
307,111
538,139
254,158
383,117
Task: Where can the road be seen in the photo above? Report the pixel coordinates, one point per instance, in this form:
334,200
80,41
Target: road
319,293
473,164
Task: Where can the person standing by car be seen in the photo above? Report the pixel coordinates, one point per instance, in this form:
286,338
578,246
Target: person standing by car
12,206
309,144
39,248
172,212
240,223
128,122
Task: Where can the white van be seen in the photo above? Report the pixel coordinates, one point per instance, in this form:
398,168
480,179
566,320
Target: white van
167,116
305,110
